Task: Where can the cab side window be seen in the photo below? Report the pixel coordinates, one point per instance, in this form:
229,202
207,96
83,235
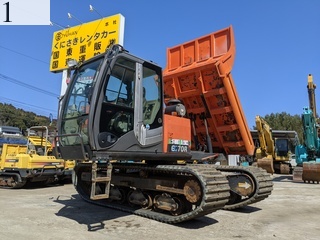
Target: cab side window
120,87
151,98
117,113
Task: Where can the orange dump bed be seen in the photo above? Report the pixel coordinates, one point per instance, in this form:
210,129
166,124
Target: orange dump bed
199,74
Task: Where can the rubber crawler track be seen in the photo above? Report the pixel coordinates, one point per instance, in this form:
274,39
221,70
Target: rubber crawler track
262,180
15,185
215,193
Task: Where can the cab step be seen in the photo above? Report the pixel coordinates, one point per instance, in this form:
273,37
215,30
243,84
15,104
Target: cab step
95,179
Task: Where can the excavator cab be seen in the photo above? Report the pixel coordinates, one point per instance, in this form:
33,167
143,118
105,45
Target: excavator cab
282,147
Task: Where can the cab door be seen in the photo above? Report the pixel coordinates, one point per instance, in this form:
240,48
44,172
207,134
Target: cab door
128,115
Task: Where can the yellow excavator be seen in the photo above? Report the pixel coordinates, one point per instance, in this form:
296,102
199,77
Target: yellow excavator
273,154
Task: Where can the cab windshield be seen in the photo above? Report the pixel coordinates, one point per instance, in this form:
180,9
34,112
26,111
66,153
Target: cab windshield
81,89
77,107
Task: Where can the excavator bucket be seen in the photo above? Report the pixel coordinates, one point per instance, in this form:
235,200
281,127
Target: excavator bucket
297,174
311,172
198,73
266,164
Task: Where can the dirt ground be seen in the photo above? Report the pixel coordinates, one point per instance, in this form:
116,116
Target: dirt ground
57,212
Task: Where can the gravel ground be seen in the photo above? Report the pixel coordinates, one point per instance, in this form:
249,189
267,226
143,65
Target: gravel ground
292,211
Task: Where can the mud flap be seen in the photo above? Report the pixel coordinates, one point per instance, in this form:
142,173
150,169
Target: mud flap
311,172
266,164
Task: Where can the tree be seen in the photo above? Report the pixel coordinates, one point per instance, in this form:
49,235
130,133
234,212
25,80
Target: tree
285,121
11,116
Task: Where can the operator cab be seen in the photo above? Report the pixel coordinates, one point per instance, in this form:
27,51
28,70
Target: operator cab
282,147
113,103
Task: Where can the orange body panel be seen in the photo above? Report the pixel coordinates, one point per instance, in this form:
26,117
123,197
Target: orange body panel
176,132
199,74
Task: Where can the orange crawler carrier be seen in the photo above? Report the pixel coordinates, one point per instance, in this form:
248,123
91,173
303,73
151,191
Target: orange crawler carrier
198,73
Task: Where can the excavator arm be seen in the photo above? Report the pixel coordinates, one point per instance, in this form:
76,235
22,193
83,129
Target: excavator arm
265,153
312,96
266,141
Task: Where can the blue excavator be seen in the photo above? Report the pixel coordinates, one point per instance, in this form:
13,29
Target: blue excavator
308,154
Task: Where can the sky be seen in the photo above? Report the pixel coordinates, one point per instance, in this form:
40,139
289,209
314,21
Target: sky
277,46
